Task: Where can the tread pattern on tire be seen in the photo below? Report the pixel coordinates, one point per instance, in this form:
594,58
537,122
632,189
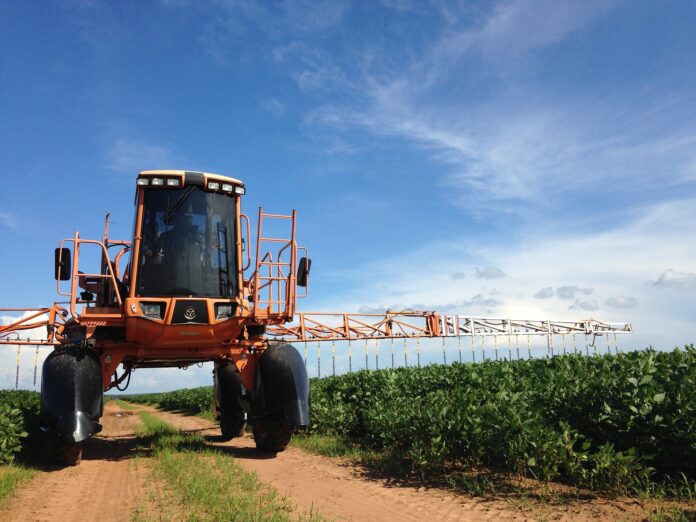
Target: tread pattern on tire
68,454
272,436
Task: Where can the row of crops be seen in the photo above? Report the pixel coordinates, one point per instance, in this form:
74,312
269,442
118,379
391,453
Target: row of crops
19,416
615,422
612,422
191,400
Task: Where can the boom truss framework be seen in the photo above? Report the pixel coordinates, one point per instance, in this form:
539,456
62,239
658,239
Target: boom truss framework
414,324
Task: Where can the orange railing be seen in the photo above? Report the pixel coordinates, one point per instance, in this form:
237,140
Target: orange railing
82,280
273,282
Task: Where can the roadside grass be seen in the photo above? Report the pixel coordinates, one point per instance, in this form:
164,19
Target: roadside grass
11,476
329,446
208,481
125,405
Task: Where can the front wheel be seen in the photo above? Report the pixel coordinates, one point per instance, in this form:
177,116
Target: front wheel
67,453
271,436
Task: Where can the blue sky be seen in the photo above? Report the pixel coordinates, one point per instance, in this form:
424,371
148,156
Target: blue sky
529,159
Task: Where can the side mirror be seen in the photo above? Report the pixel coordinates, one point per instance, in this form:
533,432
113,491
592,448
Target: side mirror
63,265
303,271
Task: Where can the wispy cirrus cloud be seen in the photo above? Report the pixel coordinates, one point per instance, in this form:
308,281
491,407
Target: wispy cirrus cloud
237,20
274,106
8,220
523,143
127,155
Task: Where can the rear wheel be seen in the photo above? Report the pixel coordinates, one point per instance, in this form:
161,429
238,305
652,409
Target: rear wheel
67,453
232,426
271,436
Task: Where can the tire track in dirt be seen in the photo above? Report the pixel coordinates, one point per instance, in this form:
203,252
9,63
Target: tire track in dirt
107,485
339,490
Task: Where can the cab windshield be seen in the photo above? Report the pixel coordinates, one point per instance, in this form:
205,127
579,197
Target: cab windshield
187,248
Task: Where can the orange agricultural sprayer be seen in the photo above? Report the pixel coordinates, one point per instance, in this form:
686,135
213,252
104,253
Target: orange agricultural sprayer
184,290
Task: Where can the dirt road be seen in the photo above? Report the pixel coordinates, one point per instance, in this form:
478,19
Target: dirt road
340,491
107,485
111,485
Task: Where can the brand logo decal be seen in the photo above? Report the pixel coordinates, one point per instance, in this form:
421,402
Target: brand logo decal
190,313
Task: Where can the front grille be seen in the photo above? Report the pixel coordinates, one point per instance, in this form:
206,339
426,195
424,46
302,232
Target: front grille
190,312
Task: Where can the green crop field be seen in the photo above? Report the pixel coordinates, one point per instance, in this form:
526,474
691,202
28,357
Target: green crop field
19,414
617,423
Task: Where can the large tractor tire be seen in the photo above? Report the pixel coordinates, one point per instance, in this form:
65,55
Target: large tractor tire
71,401
67,453
231,427
281,397
228,400
271,436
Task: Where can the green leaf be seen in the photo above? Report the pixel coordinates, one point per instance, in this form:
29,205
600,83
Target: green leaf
659,397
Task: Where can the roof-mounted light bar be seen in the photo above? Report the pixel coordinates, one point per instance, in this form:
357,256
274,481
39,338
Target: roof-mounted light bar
158,182
229,188
215,185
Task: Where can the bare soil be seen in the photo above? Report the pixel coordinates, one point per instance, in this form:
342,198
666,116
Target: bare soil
111,485
107,485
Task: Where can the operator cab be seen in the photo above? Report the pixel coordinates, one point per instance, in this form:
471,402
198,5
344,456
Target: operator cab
189,231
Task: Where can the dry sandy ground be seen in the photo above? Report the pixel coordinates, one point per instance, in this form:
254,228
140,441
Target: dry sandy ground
110,485
107,485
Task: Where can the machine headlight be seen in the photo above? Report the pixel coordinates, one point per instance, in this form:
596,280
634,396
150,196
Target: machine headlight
213,185
240,190
225,311
173,182
227,187
143,182
153,310
157,182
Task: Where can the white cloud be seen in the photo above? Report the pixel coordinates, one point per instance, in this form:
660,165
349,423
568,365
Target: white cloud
29,359
489,272
274,106
130,156
677,280
522,25
240,20
569,292
584,304
8,220
616,263
544,293
622,301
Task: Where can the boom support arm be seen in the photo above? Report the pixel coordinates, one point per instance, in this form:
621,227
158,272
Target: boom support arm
51,318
